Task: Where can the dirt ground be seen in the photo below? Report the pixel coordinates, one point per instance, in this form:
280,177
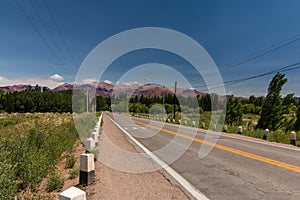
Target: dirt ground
60,169
114,184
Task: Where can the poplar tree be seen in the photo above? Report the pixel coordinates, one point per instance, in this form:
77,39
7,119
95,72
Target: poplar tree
272,109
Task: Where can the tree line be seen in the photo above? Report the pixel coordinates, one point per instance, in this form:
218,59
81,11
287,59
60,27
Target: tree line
275,111
36,100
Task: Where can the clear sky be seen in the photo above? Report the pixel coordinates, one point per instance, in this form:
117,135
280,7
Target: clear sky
229,30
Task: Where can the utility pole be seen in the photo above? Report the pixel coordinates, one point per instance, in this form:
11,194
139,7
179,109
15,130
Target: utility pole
95,107
174,100
87,100
163,108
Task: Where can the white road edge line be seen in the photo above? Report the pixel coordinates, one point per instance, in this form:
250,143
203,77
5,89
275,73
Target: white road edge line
182,181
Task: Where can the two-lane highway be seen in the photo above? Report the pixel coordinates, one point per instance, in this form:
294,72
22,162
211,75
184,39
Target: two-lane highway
236,168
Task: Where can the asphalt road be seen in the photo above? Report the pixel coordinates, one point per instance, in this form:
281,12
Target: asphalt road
237,167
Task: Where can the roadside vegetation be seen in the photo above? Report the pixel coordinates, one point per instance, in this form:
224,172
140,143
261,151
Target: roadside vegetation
36,128
30,147
32,144
280,115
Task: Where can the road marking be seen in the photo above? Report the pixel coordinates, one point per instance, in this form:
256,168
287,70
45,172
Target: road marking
134,128
239,137
182,181
229,149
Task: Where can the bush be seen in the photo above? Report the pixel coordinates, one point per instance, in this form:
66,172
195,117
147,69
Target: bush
54,183
70,161
74,173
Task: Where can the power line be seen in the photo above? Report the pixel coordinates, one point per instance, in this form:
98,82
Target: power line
258,54
47,30
262,52
37,30
236,81
60,33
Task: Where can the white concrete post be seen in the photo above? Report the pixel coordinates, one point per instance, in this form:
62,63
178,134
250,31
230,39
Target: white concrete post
225,128
266,133
293,138
215,127
179,121
95,136
90,144
185,122
203,125
169,120
72,193
240,130
173,120
97,128
193,123
87,169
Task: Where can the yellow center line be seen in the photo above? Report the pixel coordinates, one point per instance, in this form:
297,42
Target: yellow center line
229,149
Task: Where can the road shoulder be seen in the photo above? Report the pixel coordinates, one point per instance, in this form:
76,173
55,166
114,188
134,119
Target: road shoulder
114,184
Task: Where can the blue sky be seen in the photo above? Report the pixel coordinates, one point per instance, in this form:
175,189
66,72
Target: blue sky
228,30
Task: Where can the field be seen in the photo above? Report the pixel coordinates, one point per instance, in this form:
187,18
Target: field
30,147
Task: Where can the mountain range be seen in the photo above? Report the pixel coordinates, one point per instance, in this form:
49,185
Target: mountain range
106,89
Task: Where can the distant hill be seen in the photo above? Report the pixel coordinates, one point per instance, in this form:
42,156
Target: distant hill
106,89
17,88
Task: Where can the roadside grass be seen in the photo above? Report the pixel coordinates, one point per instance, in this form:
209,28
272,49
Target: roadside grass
30,147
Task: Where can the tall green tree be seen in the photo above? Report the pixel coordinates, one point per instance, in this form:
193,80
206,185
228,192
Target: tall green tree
2,100
205,102
272,110
234,111
297,122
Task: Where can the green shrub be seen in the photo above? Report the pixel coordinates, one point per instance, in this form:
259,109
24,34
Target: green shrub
70,161
257,133
74,173
54,183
